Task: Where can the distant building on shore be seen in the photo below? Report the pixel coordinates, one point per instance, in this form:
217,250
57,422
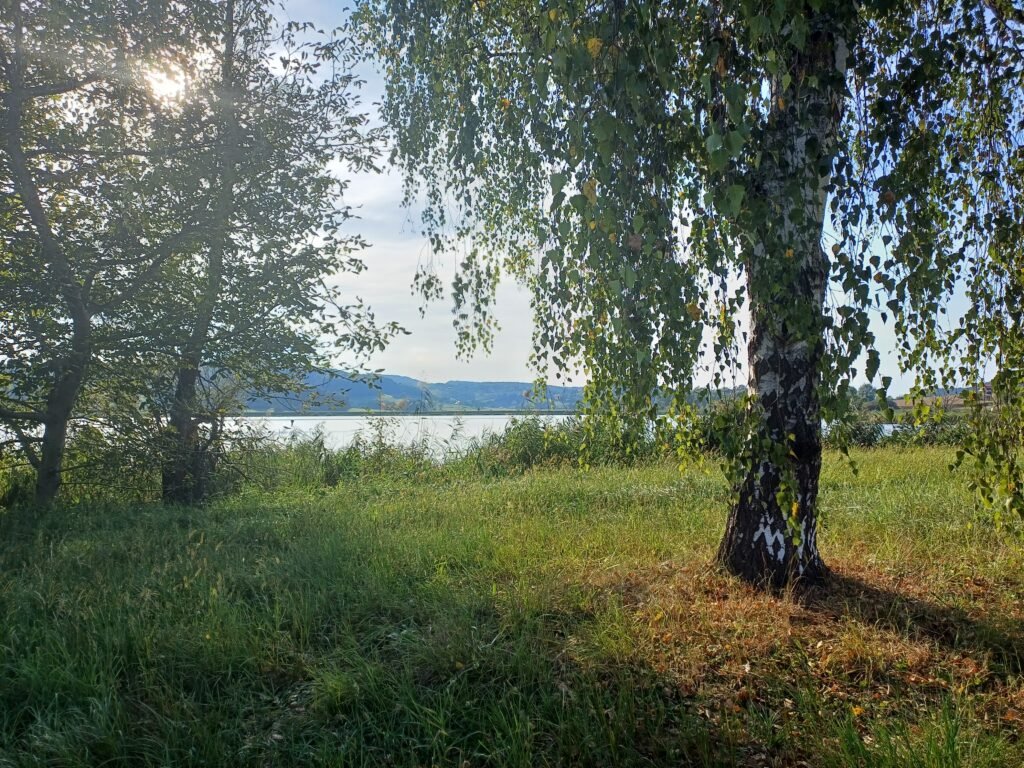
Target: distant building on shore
950,399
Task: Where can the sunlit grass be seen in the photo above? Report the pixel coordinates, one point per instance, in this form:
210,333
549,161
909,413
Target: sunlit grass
559,617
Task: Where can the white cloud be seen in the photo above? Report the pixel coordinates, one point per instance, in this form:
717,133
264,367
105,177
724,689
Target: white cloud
396,249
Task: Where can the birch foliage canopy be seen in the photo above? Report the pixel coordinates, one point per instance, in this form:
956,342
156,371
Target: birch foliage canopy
650,168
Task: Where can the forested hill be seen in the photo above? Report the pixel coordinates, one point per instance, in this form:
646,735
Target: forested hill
401,394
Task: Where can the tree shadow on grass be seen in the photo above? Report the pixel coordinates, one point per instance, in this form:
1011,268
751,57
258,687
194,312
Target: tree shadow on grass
998,638
506,691
315,649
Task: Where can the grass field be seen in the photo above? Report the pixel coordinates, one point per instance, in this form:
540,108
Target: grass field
560,617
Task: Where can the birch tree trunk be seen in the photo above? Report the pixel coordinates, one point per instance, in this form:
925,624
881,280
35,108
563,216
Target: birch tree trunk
771,534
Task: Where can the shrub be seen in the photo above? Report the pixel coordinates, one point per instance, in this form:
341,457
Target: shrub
947,430
860,428
704,429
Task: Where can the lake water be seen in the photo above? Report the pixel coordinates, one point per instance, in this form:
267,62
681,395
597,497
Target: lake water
438,431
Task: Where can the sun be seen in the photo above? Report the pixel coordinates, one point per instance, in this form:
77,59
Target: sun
166,83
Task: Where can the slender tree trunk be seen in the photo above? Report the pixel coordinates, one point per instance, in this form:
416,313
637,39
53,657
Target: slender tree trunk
771,534
183,481
70,376
59,406
187,468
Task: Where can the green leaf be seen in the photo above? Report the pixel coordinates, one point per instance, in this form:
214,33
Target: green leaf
629,276
873,363
734,142
558,181
734,200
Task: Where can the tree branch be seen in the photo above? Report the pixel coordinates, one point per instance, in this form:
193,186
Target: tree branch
1006,11
8,414
28,447
26,187
164,252
53,89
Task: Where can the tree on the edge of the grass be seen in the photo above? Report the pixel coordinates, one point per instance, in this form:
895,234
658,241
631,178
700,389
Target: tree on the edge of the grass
257,305
78,242
168,251
679,181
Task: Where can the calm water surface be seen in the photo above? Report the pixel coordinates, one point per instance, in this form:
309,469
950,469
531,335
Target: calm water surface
439,432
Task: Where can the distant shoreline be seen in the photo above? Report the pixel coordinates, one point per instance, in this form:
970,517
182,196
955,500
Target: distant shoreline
363,414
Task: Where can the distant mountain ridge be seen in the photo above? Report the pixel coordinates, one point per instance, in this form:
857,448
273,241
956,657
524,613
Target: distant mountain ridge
402,394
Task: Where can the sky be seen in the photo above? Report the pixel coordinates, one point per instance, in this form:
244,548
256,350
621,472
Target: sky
397,246
396,249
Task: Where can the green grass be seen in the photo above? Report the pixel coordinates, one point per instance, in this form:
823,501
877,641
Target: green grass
559,617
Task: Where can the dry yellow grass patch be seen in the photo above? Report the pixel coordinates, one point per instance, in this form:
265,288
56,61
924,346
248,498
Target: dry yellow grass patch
868,643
